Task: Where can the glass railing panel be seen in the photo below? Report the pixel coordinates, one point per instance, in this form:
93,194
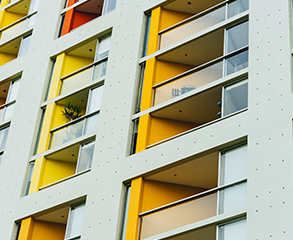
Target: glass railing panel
237,7
179,215
77,80
13,31
233,198
8,111
91,123
100,69
236,62
198,24
188,82
18,28
67,134
193,27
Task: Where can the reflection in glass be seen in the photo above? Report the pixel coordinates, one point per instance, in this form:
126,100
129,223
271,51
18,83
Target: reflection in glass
235,97
75,220
237,37
188,82
85,157
234,230
236,63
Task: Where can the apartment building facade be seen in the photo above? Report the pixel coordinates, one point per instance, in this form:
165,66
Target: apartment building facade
135,119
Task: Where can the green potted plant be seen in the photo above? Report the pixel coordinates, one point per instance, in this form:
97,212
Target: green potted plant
72,112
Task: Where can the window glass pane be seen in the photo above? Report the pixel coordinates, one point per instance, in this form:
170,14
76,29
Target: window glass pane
237,7
91,123
126,207
100,70
13,91
232,231
24,45
85,157
103,47
236,63
74,225
237,37
233,198
235,97
95,99
29,178
146,36
109,6
3,137
234,165
8,111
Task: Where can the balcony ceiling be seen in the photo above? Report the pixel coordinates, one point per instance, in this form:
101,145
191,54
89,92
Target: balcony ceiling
86,50
4,90
92,7
58,216
11,47
190,6
197,51
21,7
199,109
69,154
80,98
201,172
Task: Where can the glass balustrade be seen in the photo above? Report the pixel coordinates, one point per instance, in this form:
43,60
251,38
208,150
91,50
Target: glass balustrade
18,28
6,111
201,77
196,209
67,133
76,80
201,22
188,82
74,130
81,78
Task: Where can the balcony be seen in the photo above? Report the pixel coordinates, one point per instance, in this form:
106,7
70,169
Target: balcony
57,223
89,100
8,96
81,12
196,191
200,21
83,76
67,163
17,28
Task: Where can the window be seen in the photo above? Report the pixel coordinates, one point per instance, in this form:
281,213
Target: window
24,45
235,97
94,105
75,220
125,212
232,170
3,138
29,178
34,5
82,13
85,157
234,230
8,99
146,35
